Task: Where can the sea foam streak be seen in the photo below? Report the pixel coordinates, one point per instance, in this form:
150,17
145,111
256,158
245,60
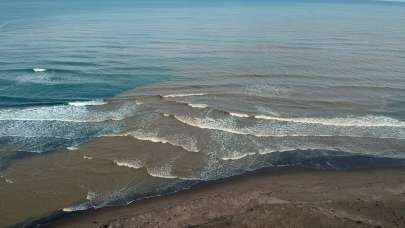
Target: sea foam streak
184,95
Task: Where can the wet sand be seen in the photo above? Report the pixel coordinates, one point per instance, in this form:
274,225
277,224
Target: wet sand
268,198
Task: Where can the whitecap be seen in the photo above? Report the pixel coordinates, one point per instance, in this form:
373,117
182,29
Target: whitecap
91,195
129,163
87,157
72,148
241,115
185,142
198,105
184,95
37,70
161,172
206,123
88,103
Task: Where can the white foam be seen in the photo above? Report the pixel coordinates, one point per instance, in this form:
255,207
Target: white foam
182,141
8,181
66,113
370,127
361,121
184,95
189,178
129,163
87,157
241,115
166,115
161,172
91,195
80,207
207,123
148,137
198,105
39,70
237,157
266,151
87,103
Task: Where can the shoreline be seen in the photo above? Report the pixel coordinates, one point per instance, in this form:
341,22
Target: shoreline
334,197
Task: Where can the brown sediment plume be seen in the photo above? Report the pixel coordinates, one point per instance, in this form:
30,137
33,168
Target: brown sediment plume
90,176
280,198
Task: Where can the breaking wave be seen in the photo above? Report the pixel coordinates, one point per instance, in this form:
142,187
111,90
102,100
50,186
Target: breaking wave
198,105
88,103
129,163
87,157
362,121
38,70
66,113
164,171
183,141
368,126
238,157
241,115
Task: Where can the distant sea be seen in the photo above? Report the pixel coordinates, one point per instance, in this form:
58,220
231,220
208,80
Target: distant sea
233,81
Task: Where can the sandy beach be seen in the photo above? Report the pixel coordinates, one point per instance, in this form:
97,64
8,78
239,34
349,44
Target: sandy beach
269,198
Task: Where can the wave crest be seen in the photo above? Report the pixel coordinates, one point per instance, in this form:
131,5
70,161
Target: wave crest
129,163
88,103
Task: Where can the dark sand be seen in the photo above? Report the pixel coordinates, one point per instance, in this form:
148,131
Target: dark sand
269,198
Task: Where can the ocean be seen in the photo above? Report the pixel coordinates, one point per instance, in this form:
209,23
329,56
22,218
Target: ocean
105,102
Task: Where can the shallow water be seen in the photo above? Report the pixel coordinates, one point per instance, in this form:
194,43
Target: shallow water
238,86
